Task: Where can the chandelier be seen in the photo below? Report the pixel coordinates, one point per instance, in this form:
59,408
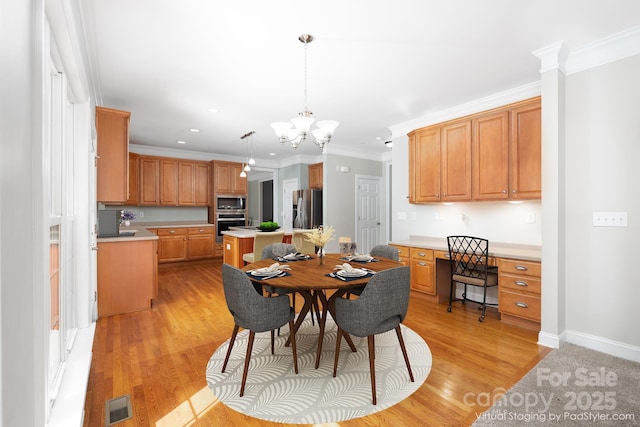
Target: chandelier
299,128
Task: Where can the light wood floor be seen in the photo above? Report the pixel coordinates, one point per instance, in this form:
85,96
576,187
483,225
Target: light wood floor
159,357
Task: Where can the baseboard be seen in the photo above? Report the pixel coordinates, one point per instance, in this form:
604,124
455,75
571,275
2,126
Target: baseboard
549,340
604,345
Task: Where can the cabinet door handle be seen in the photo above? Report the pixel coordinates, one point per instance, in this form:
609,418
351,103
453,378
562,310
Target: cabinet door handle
521,283
201,231
421,254
172,231
422,263
522,304
521,268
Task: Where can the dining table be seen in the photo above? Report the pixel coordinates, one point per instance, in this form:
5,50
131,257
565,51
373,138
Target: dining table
316,281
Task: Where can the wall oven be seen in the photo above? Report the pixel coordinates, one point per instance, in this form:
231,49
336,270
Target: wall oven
229,218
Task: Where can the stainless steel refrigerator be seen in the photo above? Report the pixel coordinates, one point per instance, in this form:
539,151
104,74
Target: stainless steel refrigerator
307,208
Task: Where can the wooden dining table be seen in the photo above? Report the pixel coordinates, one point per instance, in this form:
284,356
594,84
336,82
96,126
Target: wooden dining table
312,281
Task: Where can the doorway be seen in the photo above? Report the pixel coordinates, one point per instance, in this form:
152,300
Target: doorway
368,212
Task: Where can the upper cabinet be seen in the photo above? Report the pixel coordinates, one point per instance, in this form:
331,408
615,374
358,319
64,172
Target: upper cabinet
166,181
133,179
440,163
494,155
112,127
315,175
227,179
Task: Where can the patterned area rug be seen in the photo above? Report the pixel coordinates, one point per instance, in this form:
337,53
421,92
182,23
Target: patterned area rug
275,393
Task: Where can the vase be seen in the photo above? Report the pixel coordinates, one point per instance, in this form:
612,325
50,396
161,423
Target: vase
126,223
320,255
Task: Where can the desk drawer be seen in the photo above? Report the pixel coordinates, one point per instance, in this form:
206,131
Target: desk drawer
520,305
423,254
520,268
520,284
403,251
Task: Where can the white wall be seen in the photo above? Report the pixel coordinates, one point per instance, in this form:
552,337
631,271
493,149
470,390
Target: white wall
602,174
22,216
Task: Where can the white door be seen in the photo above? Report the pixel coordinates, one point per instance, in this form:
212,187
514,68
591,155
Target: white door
368,213
288,187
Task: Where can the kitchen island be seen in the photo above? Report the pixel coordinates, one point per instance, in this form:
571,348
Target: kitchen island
238,241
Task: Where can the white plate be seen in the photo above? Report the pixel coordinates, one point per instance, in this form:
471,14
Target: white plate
356,272
362,258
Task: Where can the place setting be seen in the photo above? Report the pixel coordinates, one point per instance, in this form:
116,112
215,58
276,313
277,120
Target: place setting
346,272
348,253
280,254
274,270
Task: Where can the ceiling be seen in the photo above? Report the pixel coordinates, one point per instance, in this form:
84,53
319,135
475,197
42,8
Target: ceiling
372,65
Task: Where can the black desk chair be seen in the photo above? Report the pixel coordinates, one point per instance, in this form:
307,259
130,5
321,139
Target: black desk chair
469,257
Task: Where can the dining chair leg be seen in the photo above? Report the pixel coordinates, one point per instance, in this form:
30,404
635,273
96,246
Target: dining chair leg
335,360
231,342
246,361
404,351
293,347
372,365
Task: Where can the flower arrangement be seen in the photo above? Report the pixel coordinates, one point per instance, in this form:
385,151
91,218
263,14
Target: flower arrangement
320,236
127,216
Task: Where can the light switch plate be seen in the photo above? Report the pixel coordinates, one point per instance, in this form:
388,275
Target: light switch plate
610,219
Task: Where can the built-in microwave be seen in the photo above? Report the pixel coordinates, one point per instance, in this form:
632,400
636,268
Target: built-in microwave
231,202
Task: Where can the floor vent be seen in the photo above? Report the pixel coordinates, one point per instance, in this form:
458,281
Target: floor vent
117,410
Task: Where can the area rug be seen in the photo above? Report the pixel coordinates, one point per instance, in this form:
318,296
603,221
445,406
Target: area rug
275,393
571,386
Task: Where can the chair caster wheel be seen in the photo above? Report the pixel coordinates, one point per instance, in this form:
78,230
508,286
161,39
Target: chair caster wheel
481,318
449,309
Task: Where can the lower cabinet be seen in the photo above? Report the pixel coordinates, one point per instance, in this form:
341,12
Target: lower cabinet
519,298
127,276
233,248
185,243
422,265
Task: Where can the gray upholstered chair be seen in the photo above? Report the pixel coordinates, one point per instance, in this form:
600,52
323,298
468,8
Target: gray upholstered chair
270,251
254,312
382,306
382,251
385,251
469,258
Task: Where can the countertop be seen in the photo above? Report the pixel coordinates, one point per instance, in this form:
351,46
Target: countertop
496,249
248,233
142,233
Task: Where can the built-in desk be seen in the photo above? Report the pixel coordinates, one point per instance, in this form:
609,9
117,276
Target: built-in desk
519,268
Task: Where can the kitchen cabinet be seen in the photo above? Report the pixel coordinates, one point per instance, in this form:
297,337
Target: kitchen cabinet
200,243
168,182
112,159
492,155
422,265
315,175
519,287
149,181
490,148
403,254
133,179
127,276
440,163
526,151
227,179
507,153
178,244
193,183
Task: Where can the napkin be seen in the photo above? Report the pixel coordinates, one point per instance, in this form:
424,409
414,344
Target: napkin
273,268
294,256
361,257
346,267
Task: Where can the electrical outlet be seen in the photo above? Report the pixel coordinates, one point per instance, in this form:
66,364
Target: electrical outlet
531,218
402,215
413,216
610,219
140,214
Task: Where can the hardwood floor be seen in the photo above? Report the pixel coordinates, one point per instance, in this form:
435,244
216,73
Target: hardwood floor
159,357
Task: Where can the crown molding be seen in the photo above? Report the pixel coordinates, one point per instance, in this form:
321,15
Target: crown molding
493,101
609,49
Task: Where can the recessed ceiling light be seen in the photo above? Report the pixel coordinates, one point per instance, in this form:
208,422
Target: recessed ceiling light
214,110
194,130
182,142
272,154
